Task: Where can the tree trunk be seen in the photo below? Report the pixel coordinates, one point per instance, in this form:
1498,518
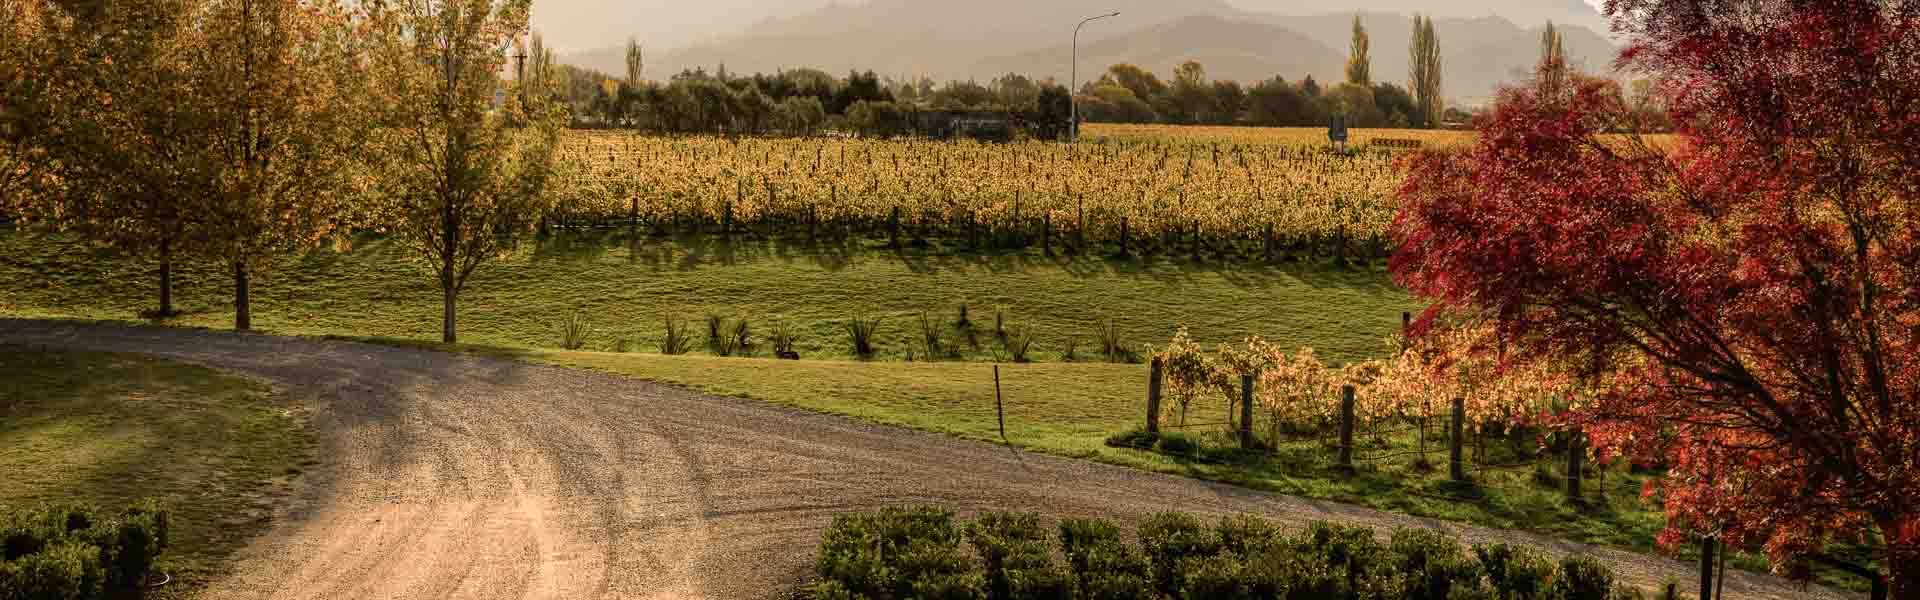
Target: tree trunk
242,305
1901,564
166,277
447,294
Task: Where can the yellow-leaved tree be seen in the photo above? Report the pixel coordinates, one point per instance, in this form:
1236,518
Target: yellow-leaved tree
463,159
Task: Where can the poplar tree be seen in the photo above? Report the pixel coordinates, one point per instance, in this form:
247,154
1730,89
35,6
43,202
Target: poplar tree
1359,65
1425,76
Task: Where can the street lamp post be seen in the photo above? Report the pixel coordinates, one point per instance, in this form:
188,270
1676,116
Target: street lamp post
1073,78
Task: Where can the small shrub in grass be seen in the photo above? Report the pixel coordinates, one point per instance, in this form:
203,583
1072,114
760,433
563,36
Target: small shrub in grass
1179,444
861,333
1169,538
1582,578
679,338
965,330
1070,351
621,346
574,331
1078,537
1350,552
1000,325
896,553
1515,573
1139,439
1431,564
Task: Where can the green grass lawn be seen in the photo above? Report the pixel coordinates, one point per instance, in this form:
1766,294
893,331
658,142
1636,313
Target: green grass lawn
628,292
214,450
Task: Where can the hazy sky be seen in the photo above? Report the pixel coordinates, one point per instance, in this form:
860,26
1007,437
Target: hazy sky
573,25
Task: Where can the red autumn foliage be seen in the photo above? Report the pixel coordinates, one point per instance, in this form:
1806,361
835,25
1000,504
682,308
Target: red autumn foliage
1746,301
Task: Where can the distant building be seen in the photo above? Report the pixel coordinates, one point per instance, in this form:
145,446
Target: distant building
981,125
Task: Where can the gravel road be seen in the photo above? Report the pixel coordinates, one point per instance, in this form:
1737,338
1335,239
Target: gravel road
450,476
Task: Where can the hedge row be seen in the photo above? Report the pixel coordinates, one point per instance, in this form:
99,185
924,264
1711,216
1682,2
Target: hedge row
919,553
77,552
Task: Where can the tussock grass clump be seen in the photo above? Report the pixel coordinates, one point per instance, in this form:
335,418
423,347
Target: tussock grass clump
741,334
782,339
861,333
679,338
1111,345
930,332
716,332
1017,341
574,331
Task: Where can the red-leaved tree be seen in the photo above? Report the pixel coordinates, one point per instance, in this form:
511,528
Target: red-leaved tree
1745,299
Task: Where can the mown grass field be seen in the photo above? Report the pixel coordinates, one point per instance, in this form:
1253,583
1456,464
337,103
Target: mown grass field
627,292
215,450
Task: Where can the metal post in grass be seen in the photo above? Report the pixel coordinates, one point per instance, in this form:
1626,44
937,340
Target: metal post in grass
1153,396
1346,428
1246,412
1456,466
999,406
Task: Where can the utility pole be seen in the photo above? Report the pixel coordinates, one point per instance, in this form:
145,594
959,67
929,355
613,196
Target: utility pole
1073,78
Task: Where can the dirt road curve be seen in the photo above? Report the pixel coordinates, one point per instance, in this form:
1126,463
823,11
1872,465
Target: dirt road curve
459,477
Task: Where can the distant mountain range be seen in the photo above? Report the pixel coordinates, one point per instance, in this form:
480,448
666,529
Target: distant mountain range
982,39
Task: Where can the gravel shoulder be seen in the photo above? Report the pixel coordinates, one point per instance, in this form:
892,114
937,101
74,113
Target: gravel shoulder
454,476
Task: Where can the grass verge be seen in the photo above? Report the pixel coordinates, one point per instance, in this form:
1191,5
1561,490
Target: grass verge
216,451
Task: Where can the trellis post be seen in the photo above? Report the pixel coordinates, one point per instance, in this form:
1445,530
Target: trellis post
1153,396
1456,466
1346,428
1246,412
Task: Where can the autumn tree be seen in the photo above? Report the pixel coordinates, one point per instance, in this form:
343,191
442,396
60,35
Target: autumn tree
275,100
1554,71
1745,307
92,101
458,178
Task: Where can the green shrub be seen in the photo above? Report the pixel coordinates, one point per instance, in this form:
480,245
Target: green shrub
1111,345
1248,536
1582,578
1431,564
1217,577
1515,573
1169,538
72,551
896,553
1008,541
782,338
1281,571
1179,444
1139,439
1351,553
67,570
742,335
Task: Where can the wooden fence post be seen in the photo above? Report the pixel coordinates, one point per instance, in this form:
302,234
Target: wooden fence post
1706,568
1575,451
1123,236
1246,412
1346,428
1046,234
1455,444
999,406
893,229
1153,397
